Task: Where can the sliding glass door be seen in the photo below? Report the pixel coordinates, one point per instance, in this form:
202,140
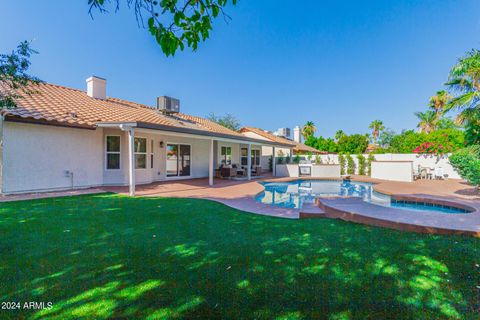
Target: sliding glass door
178,160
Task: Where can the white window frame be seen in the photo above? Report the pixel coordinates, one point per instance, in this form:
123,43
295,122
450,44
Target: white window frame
113,152
141,153
191,161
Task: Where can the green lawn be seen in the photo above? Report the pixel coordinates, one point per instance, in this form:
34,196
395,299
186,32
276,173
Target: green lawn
107,255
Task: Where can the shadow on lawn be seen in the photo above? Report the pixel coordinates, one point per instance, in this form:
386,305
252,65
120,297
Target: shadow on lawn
108,256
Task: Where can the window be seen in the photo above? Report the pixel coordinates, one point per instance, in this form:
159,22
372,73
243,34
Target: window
178,160
226,155
140,150
151,154
113,152
255,155
243,155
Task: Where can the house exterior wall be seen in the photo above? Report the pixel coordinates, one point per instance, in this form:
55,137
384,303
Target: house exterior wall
39,157
200,152
36,157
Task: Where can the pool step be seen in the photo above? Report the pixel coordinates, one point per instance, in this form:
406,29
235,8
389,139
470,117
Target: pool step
310,210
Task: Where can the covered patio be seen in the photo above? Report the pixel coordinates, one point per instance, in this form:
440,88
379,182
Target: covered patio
212,148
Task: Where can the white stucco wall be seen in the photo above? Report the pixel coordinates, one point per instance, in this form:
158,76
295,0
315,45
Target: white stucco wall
430,161
317,171
393,170
35,157
287,170
326,171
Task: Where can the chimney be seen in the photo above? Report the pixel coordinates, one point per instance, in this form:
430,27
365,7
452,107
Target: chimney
97,87
297,136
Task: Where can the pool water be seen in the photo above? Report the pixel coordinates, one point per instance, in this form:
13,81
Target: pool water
295,193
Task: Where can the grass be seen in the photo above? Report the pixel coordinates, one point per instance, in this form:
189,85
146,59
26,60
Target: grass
111,256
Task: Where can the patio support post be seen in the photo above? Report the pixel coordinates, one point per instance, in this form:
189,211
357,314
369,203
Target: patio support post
131,161
210,165
274,162
249,162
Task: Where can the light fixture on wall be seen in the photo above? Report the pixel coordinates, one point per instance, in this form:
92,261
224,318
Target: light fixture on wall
161,144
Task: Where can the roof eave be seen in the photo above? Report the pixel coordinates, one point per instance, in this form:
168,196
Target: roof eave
160,127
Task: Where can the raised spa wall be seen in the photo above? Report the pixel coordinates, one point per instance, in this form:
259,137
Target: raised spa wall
318,170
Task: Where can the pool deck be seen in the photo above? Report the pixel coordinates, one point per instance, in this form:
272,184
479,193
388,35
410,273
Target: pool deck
240,195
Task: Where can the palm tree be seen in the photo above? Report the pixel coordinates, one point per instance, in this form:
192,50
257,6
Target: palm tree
339,134
439,101
308,129
377,127
428,121
464,81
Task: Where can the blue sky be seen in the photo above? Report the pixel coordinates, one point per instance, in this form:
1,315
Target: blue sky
340,64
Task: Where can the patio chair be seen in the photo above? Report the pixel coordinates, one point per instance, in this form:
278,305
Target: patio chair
438,173
416,173
257,170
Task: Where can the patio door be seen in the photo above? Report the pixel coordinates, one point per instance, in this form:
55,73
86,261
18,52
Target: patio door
178,160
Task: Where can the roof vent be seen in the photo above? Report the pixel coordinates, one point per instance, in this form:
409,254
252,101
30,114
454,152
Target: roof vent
168,105
97,87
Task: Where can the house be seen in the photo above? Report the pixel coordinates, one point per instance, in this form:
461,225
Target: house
294,147
61,138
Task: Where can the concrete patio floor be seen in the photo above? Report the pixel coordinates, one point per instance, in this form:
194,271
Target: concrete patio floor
240,195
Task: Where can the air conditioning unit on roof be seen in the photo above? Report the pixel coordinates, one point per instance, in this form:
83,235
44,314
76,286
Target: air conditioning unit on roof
168,105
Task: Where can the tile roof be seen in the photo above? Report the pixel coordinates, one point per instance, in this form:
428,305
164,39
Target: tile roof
73,107
297,147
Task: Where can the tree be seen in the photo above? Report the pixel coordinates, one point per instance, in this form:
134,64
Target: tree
428,121
464,84
376,126
385,138
228,121
353,144
438,102
361,164
174,23
14,79
467,163
407,141
370,159
308,129
339,134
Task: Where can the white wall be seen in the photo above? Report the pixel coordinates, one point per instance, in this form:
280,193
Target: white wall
326,171
318,171
287,170
35,157
393,170
430,161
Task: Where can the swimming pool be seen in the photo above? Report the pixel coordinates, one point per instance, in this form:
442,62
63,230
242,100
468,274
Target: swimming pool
295,193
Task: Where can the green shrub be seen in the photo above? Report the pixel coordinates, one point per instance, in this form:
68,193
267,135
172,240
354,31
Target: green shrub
341,162
355,143
350,164
370,159
467,162
361,164
288,159
318,159
296,159
280,157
